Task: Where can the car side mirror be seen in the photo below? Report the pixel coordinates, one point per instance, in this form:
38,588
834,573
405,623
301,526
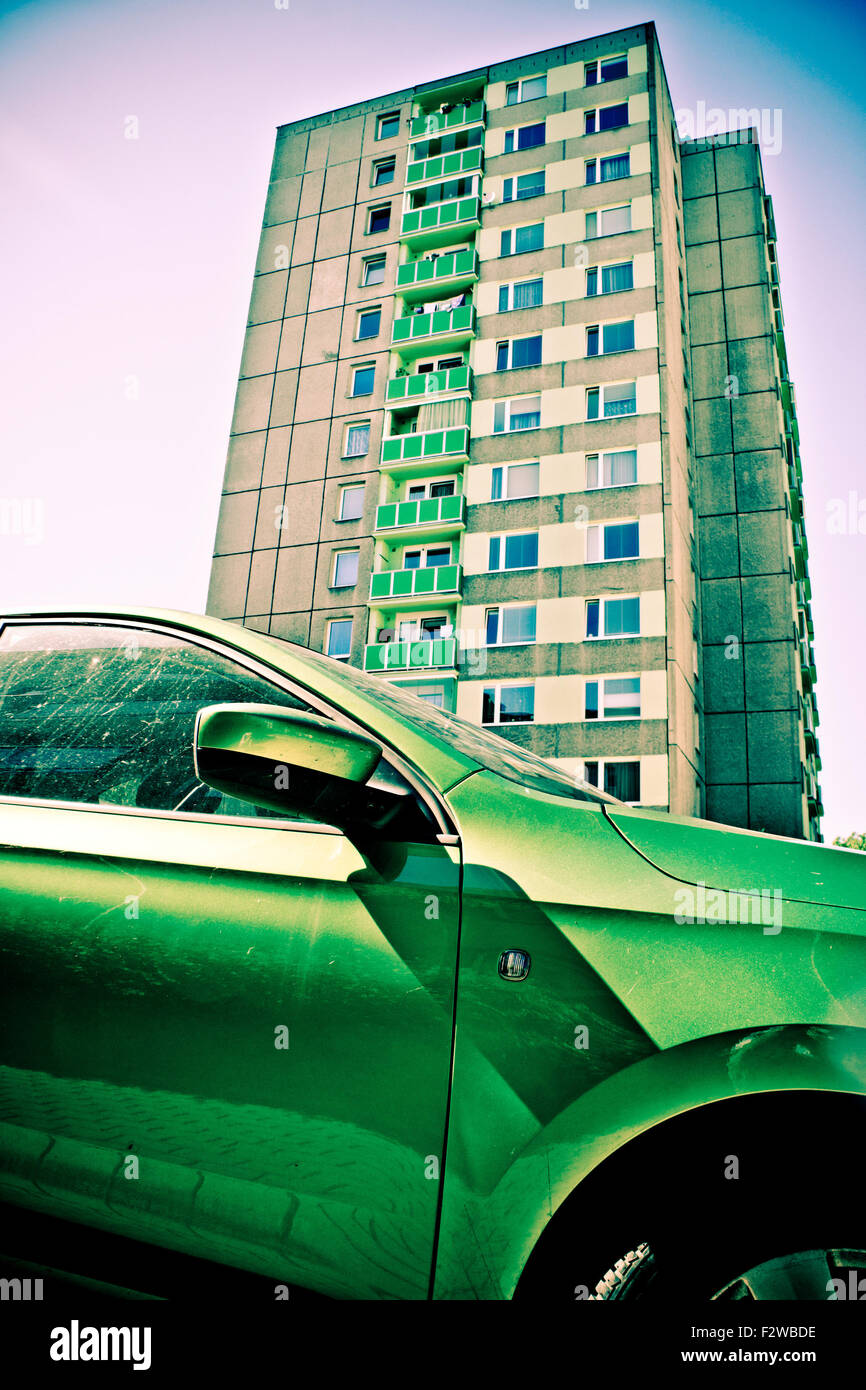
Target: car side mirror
284,760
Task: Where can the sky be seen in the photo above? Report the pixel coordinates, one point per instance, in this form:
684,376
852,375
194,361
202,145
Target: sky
126,264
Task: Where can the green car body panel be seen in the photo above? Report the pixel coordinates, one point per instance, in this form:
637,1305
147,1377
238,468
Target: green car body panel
260,1044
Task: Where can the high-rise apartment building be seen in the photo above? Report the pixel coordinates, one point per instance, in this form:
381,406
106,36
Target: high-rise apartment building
514,428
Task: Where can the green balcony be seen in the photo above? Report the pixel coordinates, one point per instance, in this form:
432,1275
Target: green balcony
443,330
807,664
403,392
431,654
427,452
441,222
446,166
437,122
414,588
437,277
425,518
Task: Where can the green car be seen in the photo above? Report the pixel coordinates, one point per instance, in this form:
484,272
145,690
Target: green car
305,979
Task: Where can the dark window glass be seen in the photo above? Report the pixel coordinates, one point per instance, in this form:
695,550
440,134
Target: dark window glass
529,238
529,136
592,617
516,704
526,352
621,542
105,715
368,323
388,126
488,706
521,551
611,117
501,357
380,220
622,780
592,342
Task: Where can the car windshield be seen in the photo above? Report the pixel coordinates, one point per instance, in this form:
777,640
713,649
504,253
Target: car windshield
490,750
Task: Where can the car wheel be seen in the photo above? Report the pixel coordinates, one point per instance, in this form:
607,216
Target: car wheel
803,1275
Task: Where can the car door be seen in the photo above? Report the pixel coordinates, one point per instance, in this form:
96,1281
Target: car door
223,1031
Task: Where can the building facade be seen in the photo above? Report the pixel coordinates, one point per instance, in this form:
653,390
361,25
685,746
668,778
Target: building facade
514,429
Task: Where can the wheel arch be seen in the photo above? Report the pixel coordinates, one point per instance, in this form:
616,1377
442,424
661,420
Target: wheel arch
549,1180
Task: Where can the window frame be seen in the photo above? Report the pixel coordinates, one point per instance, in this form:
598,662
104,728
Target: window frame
362,367
509,345
270,675
508,412
598,63
598,214
600,528
600,717
337,554
388,162
363,311
520,83
596,164
511,186
332,623
515,132
598,271
509,286
499,609
345,489
602,600
375,208
599,455
497,689
366,263
511,234
384,117
502,538
356,425
504,469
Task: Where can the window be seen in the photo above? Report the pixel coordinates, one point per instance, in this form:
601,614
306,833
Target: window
448,143
369,322
525,137
339,643
417,491
529,89
605,70
521,414
609,279
517,353
442,192
605,118
615,337
620,617
362,380
602,170
521,294
608,221
430,694
510,626
620,698
524,186
514,551
383,171
617,400
622,780
615,469
615,541
374,271
388,126
100,714
379,219
514,480
345,569
426,557
352,502
514,241
508,704
357,441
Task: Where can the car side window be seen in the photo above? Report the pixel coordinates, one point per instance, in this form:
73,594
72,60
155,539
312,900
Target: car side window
105,715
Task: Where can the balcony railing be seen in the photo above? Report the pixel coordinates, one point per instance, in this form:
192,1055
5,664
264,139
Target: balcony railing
424,386
436,122
433,581
446,166
807,664
437,276
443,329
434,653
439,515
429,447
440,222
